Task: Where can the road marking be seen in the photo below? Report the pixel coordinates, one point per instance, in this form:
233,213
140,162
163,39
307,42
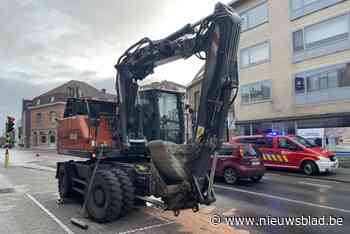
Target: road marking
288,174
322,181
283,199
318,182
62,225
316,185
146,228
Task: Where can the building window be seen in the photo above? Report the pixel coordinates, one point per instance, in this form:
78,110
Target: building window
38,102
255,55
323,85
299,8
79,93
256,92
52,99
322,38
254,16
39,118
261,128
42,138
53,117
71,92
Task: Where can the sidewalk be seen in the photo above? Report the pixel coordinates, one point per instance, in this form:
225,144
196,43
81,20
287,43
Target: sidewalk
340,175
5,185
46,160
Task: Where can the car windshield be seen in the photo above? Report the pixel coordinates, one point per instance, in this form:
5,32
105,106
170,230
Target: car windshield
303,141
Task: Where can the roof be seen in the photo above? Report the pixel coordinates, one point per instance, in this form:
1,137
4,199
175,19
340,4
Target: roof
164,85
62,92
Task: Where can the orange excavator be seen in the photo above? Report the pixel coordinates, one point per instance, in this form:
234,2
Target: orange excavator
135,148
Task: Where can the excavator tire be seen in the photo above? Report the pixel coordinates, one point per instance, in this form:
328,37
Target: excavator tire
128,191
105,201
64,183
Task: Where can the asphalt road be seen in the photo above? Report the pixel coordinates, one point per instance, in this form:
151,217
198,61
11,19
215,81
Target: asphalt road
287,196
32,206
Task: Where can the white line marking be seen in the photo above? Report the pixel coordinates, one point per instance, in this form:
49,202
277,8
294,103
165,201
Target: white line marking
283,199
62,225
316,185
146,228
323,181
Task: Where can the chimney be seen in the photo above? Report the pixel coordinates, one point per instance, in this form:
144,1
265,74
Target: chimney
103,91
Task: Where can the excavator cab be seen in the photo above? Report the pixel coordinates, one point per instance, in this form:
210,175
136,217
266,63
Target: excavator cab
162,115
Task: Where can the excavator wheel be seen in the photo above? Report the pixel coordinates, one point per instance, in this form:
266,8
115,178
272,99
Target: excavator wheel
106,197
128,190
64,183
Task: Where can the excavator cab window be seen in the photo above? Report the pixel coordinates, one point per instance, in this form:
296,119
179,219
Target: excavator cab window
162,115
170,126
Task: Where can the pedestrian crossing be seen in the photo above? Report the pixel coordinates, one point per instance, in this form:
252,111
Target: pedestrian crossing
275,157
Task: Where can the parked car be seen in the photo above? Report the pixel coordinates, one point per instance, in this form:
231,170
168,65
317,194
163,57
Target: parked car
238,161
292,152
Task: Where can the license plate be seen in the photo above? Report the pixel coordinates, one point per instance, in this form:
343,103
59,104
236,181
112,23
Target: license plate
255,163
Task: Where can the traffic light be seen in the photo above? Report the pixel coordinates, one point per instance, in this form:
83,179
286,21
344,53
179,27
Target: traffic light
10,124
8,138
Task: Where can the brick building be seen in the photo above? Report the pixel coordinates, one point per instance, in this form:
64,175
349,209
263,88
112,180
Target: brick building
24,130
40,114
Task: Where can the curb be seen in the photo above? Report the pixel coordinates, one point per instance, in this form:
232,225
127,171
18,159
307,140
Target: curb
39,168
310,177
7,190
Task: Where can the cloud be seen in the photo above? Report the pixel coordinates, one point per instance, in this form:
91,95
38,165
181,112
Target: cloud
47,42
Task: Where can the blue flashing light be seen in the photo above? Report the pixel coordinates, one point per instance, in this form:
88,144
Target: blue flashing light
273,133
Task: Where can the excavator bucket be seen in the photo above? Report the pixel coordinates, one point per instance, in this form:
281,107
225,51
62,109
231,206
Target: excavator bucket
169,160
173,183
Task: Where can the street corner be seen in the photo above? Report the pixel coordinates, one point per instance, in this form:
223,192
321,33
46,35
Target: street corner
206,220
138,221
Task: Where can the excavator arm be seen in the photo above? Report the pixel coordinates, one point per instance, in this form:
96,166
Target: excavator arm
214,39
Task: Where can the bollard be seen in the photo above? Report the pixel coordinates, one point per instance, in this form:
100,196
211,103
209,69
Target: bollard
7,158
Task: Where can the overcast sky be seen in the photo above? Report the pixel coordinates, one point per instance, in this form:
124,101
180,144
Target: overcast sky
44,43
